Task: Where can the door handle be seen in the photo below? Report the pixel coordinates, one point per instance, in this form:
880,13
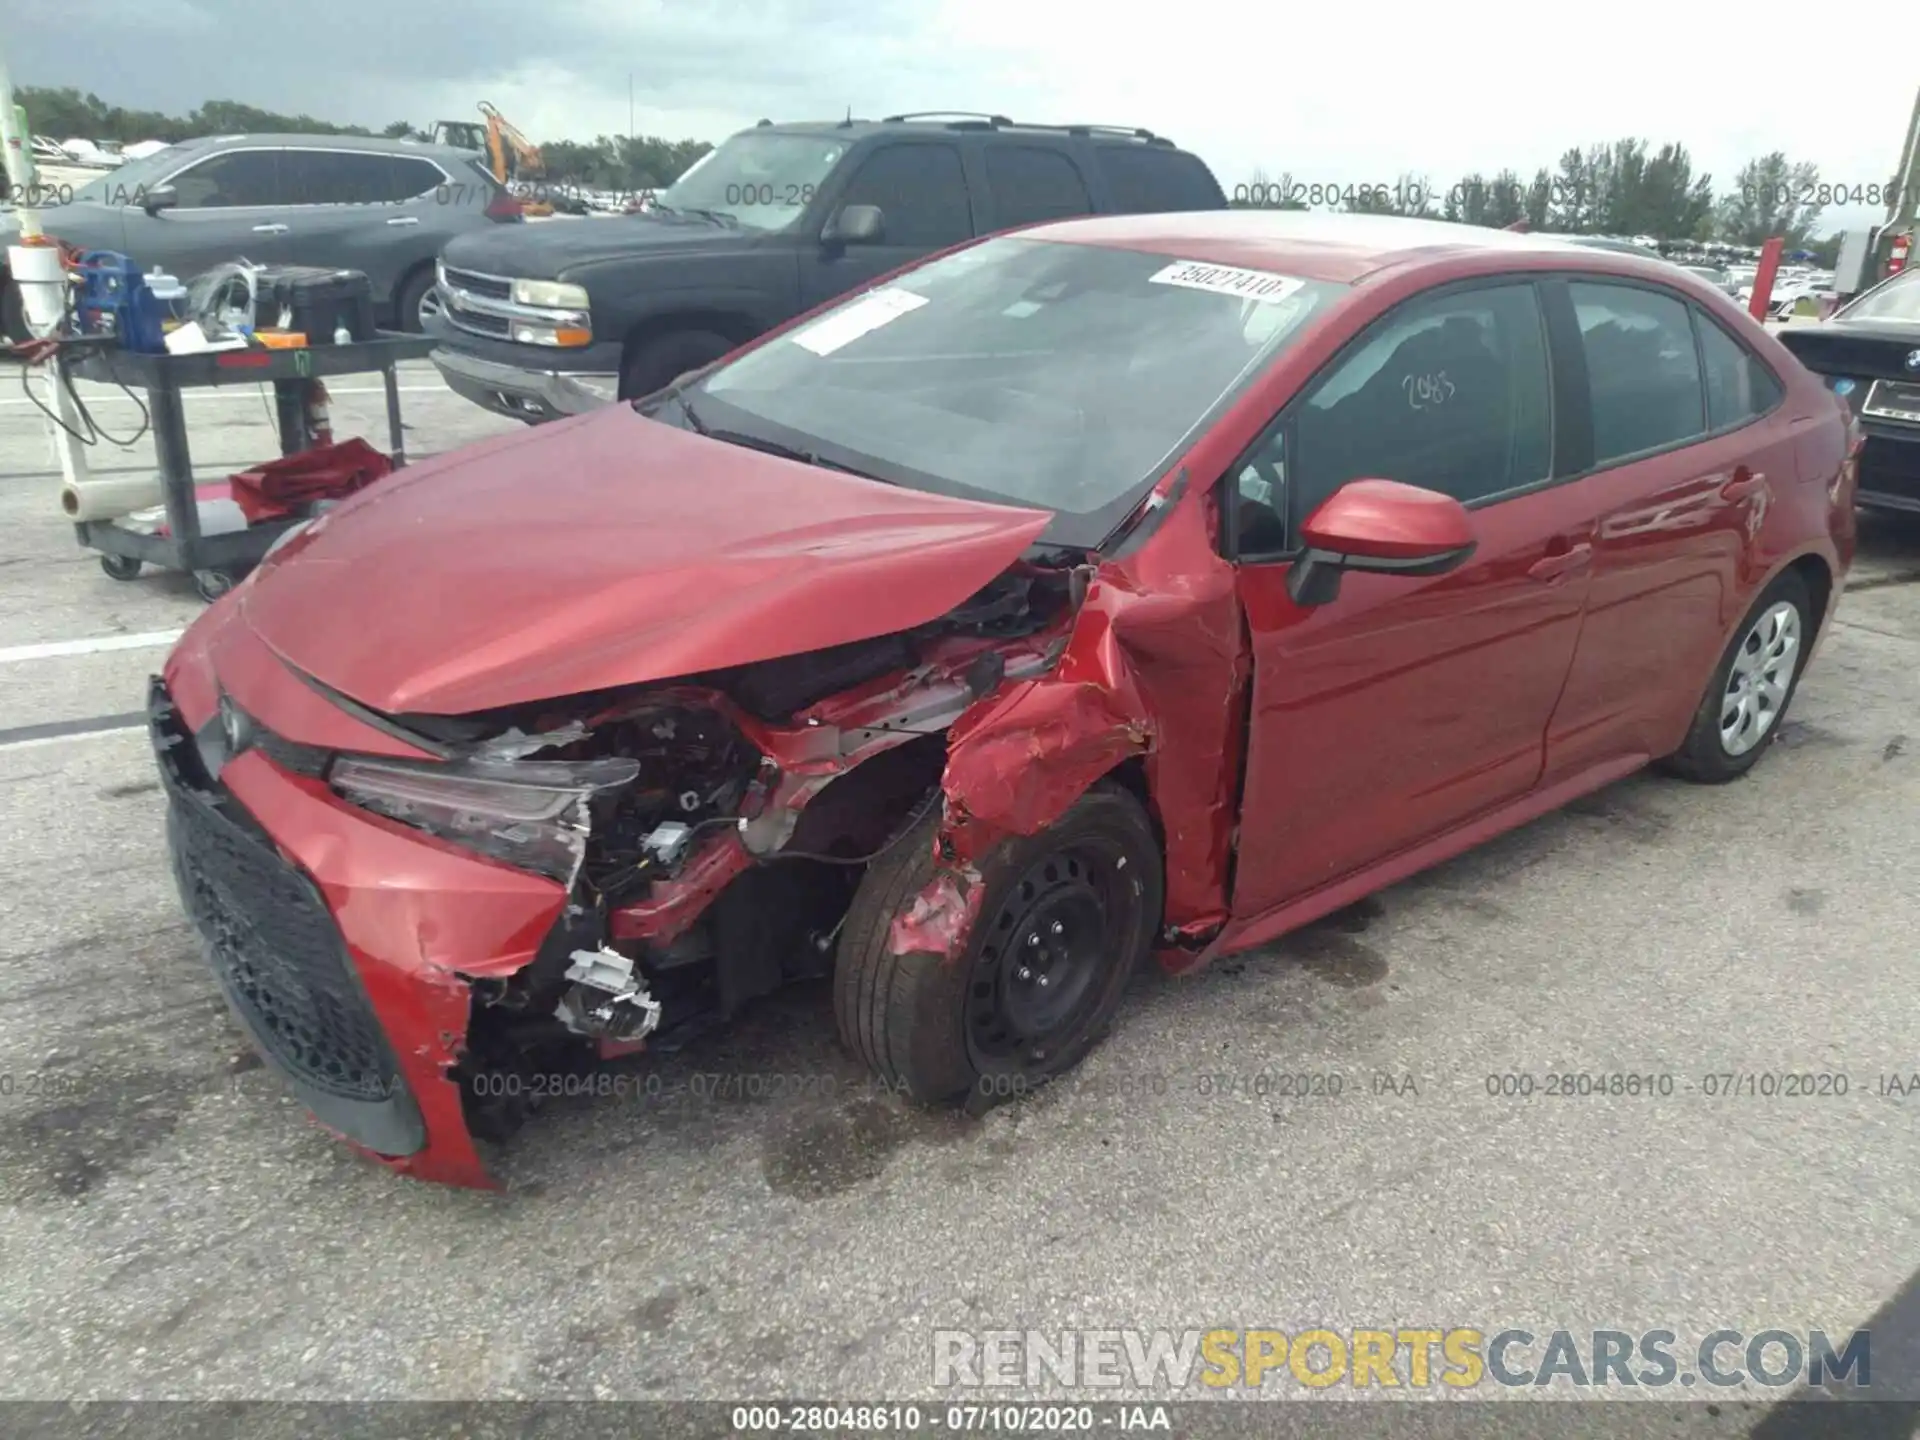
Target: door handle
269,229
1560,563
1743,485
405,220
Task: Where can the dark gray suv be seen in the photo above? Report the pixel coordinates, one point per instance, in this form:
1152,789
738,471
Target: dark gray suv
385,207
550,320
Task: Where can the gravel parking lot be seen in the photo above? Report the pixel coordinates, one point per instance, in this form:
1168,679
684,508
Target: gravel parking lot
174,1227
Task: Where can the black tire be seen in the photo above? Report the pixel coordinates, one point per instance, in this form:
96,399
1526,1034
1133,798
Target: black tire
412,291
655,364
923,1024
1704,757
120,567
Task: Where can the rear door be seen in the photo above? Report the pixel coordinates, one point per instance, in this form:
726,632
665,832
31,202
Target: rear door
1684,464
366,211
232,206
921,189
1407,706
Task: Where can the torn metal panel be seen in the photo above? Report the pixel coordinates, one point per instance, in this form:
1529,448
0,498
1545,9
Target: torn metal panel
1154,666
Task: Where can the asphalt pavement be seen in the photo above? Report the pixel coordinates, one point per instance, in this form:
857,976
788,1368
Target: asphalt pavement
171,1226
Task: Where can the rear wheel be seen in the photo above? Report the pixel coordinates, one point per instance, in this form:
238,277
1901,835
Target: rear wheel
655,364
1067,916
120,567
1740,715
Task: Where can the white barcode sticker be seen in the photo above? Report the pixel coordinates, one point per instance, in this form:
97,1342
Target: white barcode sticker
863,316
1262,285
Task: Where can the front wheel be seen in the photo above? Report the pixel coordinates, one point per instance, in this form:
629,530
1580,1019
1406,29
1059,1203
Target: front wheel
1739,717
1067,917
655,364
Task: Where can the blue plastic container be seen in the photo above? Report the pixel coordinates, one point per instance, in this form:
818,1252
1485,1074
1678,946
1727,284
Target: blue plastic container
114,300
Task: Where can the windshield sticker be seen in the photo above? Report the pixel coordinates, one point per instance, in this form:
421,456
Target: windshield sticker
1261,285
865,315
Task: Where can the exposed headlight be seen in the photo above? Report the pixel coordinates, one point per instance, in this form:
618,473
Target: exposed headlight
549,295
531,814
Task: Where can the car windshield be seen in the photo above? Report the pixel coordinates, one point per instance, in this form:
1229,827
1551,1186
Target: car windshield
1061,376
762,179
1898,299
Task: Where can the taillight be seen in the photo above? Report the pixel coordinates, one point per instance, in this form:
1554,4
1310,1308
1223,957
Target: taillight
505,206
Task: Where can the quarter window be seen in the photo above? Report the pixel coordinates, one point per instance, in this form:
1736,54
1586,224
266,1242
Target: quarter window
1739,387
1450,394
1642,371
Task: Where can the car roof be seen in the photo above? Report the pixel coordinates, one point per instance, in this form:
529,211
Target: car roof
370,144
950,123
1316,245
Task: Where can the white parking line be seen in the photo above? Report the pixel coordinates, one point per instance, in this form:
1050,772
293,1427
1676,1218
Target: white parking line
52,648
248,393
65,737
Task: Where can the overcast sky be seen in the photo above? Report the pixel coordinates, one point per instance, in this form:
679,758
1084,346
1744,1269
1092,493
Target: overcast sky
1342,94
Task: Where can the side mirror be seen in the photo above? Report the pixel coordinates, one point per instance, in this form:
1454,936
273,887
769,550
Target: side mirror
163,197
1379,527
855,225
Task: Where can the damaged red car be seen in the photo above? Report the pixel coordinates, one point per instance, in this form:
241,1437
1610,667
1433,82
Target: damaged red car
1113,588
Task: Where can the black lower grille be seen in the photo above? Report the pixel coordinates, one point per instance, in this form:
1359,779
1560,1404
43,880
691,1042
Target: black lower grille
277,954
1891,467
273,947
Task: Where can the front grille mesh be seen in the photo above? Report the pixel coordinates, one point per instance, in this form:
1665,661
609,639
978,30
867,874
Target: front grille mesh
269,938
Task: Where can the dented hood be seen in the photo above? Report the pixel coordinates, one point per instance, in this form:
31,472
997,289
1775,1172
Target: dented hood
609,550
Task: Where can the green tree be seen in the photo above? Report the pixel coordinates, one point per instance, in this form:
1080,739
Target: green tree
1766,201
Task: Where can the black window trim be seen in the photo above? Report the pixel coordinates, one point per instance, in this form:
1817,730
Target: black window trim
445,179
1226,486
282,150
1695,314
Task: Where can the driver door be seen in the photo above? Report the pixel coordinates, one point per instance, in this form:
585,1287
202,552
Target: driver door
1406,707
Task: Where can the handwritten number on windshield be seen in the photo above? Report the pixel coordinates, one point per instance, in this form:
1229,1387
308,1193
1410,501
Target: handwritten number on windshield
1428,392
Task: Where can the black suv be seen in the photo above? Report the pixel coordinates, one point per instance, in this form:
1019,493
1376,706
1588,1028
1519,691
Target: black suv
557,318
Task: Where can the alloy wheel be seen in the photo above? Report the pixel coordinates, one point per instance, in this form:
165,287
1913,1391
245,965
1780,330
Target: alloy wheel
1761,676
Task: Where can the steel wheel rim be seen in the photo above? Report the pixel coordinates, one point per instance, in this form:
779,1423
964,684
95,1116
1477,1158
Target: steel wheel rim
1044,964
1762,674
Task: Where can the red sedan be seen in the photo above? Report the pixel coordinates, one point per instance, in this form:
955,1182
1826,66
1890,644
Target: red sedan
1119,586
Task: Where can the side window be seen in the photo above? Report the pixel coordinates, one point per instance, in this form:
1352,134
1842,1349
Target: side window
239,177
1030,184
334,177
1642,371
409,178
922,191
1449,393
1147,180
1739,387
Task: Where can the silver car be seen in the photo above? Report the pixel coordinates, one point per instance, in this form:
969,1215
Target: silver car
384,207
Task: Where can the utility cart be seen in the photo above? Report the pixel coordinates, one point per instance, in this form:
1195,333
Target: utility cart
217,561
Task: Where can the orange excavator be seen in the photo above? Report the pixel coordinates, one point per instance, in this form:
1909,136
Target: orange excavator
514,159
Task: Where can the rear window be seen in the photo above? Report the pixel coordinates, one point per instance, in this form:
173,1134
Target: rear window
1147,180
